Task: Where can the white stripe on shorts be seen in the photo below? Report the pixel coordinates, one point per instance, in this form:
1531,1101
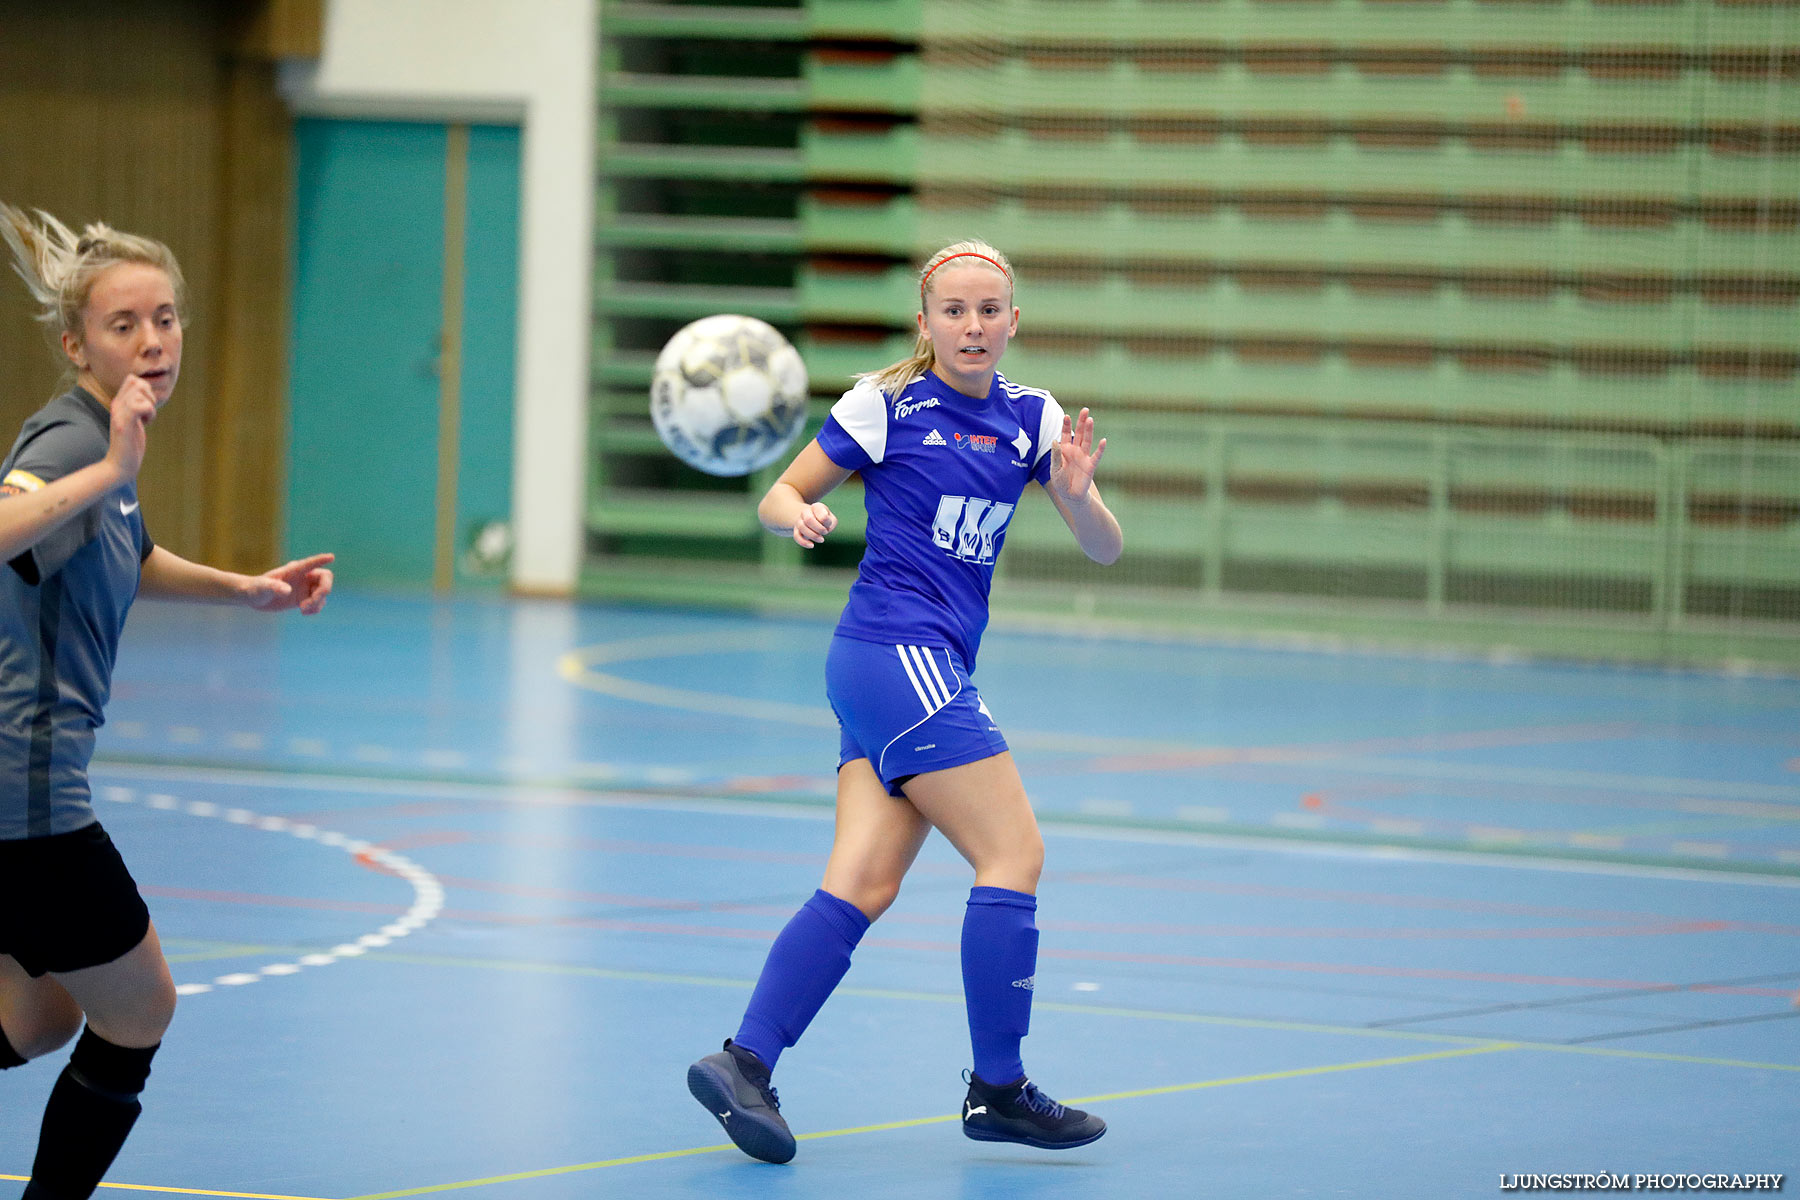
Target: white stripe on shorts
944,688
934,683
921,668
929,696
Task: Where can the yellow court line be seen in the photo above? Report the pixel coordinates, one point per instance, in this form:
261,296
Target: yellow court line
576,969
545,1172
1300,1072
915,1122
1095,1010
581,668
145,1187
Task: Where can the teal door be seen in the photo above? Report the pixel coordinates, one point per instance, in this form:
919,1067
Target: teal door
400,392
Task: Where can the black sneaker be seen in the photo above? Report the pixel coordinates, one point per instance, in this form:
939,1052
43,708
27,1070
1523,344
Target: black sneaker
734,1086
1018,1112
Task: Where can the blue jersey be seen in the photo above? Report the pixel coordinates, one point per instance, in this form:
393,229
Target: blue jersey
942,473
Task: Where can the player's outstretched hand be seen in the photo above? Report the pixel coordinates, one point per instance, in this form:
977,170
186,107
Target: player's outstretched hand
815,521
302,584
1074,457
133,408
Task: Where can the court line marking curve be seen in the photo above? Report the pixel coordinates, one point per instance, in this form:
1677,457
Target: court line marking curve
580,667
428,893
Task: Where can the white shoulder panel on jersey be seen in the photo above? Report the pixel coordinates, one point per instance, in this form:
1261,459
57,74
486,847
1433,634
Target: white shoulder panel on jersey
1049,421
1049,427
863,412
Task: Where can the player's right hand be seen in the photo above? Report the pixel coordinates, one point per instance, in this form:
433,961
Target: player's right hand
814,523
133,408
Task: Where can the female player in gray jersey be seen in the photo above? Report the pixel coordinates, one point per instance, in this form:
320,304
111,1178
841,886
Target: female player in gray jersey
946,446
75,937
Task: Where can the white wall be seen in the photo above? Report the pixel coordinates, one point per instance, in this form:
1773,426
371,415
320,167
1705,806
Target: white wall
501,60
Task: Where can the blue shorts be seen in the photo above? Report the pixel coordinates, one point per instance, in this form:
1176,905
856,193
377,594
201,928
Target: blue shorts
907,709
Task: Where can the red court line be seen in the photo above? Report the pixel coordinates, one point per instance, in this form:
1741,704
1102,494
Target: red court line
660,928
744,785
1545,933
534,892
430,838
414,841
267,901
1619,923
1601,796
1652,928
404,809
1767,816
1367,969
1322,896
1212,756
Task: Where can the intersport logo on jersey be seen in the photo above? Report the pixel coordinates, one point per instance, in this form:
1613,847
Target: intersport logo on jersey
982,442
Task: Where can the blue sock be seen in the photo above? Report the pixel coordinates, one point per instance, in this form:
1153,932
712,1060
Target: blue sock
809,957
999,963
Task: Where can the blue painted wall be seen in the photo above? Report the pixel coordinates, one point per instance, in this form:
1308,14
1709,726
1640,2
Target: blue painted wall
367,324
490,334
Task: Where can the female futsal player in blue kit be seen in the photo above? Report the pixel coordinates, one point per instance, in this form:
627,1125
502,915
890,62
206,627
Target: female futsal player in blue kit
76,941
945,445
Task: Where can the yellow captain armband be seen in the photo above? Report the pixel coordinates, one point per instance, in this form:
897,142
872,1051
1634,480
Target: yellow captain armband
19,482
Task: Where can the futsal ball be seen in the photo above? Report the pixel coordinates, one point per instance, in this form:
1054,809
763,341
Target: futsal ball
729,394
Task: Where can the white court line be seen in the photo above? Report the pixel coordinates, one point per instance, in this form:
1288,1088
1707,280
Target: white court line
1052,824
428,893
582,668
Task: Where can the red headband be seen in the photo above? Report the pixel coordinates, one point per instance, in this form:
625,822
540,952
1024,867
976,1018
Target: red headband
963,254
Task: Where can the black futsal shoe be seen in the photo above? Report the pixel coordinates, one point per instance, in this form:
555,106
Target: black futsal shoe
1018,1112
734,1086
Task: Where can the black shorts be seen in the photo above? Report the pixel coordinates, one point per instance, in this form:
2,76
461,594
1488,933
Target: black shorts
67,902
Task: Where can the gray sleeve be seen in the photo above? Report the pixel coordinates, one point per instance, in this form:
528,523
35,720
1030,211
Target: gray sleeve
53,452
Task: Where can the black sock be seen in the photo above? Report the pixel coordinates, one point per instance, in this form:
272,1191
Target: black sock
8,1056
91,1110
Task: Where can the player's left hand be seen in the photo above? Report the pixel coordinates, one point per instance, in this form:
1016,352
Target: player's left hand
302,584
1074,456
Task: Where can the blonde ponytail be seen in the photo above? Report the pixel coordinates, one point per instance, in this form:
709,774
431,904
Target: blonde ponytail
893,378
59,268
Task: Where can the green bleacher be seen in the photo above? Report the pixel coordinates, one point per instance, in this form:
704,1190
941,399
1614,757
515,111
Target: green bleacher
1474,320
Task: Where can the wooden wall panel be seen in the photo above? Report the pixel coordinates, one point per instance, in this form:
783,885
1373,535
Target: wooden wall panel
248,439
135,115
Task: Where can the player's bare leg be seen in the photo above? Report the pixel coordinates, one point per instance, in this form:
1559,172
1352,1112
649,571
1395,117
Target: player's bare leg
983,810
129,1003
877,838
37,1015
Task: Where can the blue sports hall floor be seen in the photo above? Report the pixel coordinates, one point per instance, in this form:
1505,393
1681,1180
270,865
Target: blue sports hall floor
455,892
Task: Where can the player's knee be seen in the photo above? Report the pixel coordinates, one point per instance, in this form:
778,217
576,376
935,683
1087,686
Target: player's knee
19,1046
158,1012
108,1069
143,1022
1017,868
44,1029
1027,862
872,896
52,1033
